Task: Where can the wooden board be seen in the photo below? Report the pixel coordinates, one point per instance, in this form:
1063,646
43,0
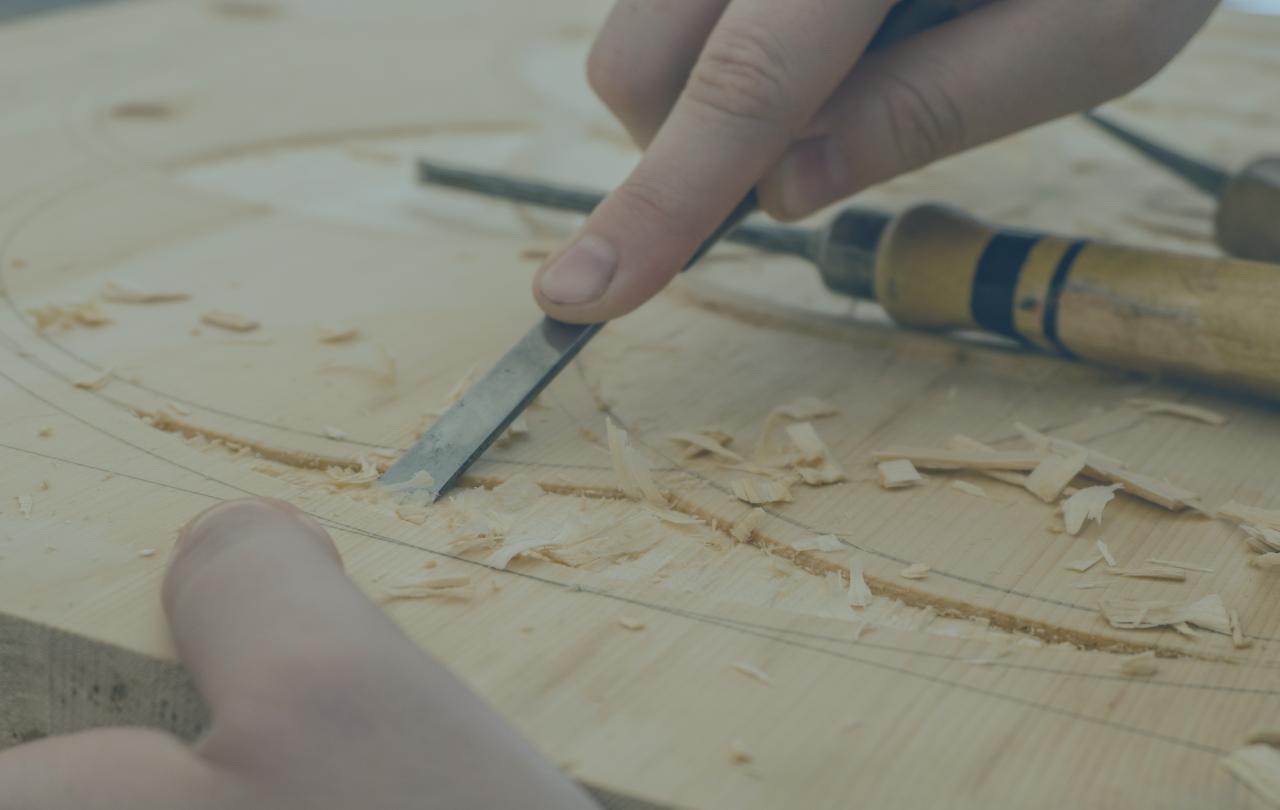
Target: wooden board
258,157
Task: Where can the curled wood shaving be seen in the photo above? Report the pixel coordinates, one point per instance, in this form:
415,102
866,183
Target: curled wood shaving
859,593
517,493
898,474
812,450
915,571
969,489
753,671
633,474
1265,561
761,492
420,480
748,524
1261,538
1193,412
347,477
823,542
1237,632
701,443
1085,564
337,434
342,334
1128,614
501,558
1151,572
801,409
1105,551
1142,665
96,381
119,294
628,623
230,321
739,754
1054,474
68,316
1085,505
412,513
942,459
1258,767
24,505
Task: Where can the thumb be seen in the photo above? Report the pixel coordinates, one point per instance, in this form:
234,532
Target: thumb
765,70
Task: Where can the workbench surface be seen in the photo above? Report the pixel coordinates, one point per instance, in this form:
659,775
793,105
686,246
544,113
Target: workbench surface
257,156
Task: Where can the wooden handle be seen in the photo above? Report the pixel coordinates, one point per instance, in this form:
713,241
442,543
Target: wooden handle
1248,220
1201,317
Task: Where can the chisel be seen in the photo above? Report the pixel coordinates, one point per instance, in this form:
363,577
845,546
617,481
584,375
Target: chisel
934,267
1247,219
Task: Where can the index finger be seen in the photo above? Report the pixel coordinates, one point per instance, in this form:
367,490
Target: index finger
765,70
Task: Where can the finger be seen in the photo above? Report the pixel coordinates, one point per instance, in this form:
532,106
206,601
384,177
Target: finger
642,57
764,72
1000,69
99,769
304,676
255,587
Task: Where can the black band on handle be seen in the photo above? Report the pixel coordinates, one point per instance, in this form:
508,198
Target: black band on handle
996,281
1056,284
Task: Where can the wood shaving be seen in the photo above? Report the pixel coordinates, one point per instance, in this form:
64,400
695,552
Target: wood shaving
421,480
1085,564
1084,586
1258,767
1086,505
739,754
915,571
1105,551
338,334
96,381
65,317
1237,632
969,489
967,445
823,542
633,474
898,474
411,513
426,587
812,450
1151,572
1142,665
45,433
1269,737
859,593
1193,412
628,623
301,459
1265,561
24,505
701,443
748,524
229,321
147,552
753,671
758,492
517,493
942,459
1185,566
337,434
1128,614
1264,518
1055,474
1052,444
802,409
828,472
119,294
346,477
1261,538
501,558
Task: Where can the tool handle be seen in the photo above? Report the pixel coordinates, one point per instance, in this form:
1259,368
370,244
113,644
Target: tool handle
1198,317
1248,217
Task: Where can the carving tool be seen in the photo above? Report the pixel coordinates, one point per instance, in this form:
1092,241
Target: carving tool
936,268
1247,219
473,423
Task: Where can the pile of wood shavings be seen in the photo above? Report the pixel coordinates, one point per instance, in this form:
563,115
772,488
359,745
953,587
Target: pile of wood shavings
64,317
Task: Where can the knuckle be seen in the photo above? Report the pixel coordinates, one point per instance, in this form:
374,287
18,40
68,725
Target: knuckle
646,202
924,122
742,74
629,88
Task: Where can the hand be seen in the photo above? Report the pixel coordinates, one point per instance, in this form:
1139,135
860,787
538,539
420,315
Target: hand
725,95
317,699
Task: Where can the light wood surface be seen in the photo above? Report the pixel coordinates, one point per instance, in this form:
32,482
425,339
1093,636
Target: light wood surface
258,157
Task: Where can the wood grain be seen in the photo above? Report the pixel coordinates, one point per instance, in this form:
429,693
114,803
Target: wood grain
262,164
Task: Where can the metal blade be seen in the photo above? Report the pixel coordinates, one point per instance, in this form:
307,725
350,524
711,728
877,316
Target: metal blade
466,430
1205,176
